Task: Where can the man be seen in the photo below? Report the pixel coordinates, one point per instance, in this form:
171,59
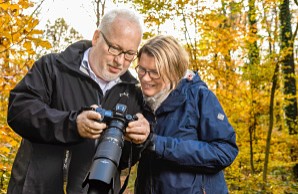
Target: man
47,108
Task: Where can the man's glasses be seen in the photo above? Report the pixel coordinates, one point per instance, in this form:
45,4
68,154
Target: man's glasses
142,72
128,55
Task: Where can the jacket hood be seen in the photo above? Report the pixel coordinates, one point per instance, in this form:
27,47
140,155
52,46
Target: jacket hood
178,95
72,56
181,87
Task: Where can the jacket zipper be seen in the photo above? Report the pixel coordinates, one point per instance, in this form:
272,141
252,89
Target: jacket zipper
203,184
204,191
151,180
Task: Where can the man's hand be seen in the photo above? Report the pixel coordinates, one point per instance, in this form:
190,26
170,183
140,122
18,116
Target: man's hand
88,125
138,131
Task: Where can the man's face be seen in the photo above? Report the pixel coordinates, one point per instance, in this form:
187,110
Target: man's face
122,36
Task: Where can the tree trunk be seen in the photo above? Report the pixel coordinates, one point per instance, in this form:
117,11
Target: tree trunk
254,60
288,68
271,119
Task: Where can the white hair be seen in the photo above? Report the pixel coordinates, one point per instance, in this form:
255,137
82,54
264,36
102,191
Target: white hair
124,13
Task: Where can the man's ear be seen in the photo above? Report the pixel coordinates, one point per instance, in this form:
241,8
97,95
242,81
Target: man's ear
95,37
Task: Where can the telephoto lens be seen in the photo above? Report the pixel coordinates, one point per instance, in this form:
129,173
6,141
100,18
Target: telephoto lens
109,150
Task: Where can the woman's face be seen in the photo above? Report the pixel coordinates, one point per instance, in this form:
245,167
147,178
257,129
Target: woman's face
150,87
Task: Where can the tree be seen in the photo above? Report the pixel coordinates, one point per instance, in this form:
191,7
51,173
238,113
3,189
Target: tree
99,10
241,49
254,60
61,35
274,84
288,70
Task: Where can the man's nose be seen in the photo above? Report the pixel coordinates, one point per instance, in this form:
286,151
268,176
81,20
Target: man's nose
120,59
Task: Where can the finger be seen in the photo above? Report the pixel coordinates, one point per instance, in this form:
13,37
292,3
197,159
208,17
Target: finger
137,139
138,127
137,123
91,133
140,115
98,126
95,131
93,115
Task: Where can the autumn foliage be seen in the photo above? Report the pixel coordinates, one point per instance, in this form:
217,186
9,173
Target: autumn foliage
18,43
238,48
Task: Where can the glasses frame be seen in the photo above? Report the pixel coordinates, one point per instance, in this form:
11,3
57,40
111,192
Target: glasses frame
116,51
137,68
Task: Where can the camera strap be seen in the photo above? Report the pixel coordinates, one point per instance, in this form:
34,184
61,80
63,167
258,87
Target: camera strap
129,169
123,100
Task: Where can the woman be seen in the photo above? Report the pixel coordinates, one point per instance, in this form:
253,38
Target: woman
191,141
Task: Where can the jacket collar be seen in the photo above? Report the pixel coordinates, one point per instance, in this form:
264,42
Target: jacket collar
179,95
72,56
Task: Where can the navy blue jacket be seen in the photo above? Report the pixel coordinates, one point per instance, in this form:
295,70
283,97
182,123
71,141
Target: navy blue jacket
194,142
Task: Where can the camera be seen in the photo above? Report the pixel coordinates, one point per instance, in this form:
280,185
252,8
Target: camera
109,150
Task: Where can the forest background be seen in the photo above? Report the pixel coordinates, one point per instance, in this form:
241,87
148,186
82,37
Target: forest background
246,50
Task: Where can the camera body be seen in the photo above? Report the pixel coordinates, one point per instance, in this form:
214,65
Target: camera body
119,113
109,150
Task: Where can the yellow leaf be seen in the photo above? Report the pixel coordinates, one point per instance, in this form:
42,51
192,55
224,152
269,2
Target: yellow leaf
4,150
45,44
27,45
14,7
5,5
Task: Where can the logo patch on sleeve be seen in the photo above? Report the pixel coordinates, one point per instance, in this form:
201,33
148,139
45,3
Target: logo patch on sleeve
220,116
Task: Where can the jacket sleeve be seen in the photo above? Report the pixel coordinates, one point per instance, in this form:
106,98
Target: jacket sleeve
216,146
29,111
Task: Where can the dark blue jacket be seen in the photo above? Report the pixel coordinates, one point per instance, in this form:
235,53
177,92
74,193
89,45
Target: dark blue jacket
194,142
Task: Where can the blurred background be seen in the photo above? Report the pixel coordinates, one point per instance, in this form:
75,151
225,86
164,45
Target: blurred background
245,50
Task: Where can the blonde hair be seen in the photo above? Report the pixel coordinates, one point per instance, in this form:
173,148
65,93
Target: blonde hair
170,57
